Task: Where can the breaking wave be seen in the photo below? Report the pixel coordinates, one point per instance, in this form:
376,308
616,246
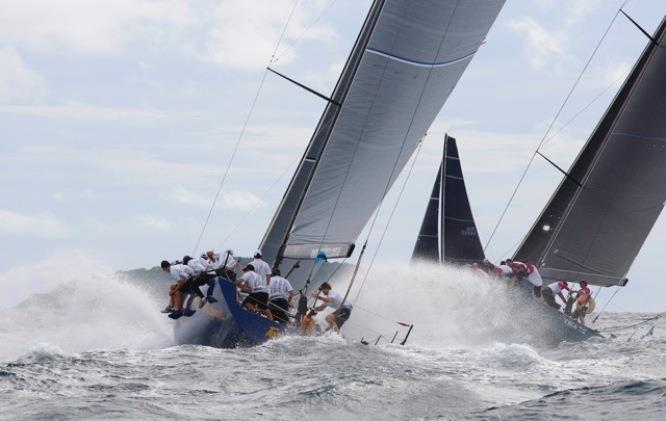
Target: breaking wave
91,309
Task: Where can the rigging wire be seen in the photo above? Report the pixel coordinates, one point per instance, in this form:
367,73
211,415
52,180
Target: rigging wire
550,126
242,132
589,104
606,305
298,39
650,319
381,239
561,129
256,205
388,184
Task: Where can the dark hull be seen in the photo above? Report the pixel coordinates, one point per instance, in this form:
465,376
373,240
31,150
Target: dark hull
224,324
553,325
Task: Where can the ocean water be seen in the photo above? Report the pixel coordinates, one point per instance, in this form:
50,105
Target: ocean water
100,349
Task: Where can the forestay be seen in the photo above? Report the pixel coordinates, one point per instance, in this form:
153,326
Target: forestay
594,232
406,61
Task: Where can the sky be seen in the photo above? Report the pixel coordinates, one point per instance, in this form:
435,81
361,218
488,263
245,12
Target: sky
118,120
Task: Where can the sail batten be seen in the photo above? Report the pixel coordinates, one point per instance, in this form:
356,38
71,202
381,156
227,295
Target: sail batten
594,232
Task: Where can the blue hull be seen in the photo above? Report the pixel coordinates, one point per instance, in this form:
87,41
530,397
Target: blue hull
224,324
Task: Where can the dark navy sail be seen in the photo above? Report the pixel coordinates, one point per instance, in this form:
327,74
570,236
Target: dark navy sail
460,239
594,231
409,56
427,243
448,232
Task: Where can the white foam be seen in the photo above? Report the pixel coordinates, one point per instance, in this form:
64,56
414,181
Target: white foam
448,306
84,307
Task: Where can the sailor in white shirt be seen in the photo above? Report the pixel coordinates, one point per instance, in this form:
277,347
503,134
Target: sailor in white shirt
203,275
333,299
183,276
555,289
280,293
262,268
257,287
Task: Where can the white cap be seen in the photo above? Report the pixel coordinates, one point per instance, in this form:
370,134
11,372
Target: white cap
257,252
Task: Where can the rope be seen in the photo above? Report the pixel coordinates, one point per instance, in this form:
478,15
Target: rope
242,132
381,239
256,205
620,328
550,126
606,305
589,104
298,38
388,183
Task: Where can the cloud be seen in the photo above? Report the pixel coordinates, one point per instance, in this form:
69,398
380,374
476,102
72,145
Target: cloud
230,199
544,47
18,82
85,112
43,225
549,48
152,222
85,26
249,42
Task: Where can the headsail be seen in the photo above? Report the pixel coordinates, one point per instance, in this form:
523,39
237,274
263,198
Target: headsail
451,216
406,61
427,242
460,239
594,232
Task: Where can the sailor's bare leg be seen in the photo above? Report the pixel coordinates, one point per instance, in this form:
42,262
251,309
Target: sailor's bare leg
331,322
172,292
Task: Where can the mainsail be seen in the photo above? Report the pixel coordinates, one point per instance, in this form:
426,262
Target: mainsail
407,59
597,220
451,216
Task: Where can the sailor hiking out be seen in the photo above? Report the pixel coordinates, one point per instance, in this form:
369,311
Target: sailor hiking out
333,299
552,290
183,276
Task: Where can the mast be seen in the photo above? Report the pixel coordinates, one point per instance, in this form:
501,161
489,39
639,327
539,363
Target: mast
597,220
406,61
275,238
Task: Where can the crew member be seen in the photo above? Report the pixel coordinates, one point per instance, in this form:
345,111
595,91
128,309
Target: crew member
262,268
257,289
308,325
280,293
503,270
534,277
203,275
224,265
555,289
182,274
333,299
519,271
583,302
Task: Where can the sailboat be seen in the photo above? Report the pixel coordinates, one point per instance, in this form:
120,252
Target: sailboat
448,232
598,218
407,59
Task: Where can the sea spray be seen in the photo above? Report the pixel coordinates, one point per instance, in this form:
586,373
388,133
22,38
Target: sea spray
448,306
82,310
